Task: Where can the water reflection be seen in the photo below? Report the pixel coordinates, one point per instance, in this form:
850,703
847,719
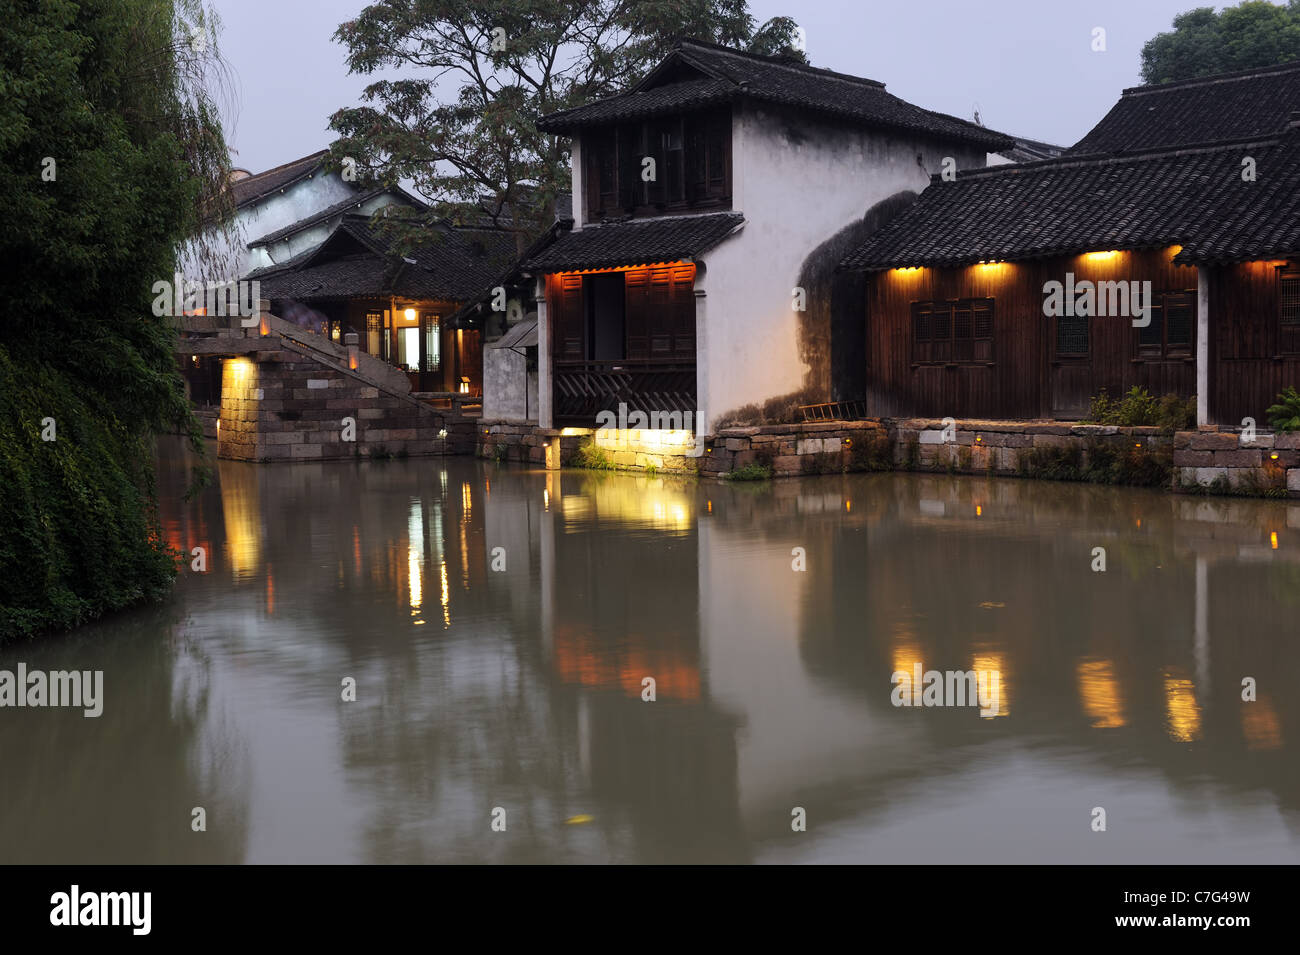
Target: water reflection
505,629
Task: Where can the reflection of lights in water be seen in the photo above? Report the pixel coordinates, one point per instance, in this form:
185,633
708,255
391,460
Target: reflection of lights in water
907,658
270,591
989,666
466,500
415,555
1273,539
1260,725
633,502
241,511
446,596
1100,693
1183,715
546,499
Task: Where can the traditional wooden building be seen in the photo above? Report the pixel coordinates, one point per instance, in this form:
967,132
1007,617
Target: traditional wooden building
710,207
1162,251
397,304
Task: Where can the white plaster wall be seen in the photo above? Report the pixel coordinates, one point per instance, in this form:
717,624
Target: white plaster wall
299,242
303,199
509,390
798,181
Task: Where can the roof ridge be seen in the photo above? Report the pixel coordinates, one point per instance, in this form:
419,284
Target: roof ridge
778,62
284,165
1104,159
1211,79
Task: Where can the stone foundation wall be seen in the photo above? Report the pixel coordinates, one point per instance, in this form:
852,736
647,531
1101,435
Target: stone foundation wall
1222,462
519,443
1213,461
805,448
283,405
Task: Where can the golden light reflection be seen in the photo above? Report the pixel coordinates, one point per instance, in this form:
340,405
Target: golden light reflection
241,511
1182,712
1273,539
991,669
651,503
1099,692
1260,725
415,556
446,595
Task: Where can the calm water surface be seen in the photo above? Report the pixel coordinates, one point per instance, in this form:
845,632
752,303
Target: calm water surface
521,687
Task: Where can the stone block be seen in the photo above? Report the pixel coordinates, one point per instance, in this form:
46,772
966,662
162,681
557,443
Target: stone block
1238,459
1213,441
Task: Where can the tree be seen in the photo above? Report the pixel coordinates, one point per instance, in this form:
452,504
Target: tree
115,156
461,122
1252,34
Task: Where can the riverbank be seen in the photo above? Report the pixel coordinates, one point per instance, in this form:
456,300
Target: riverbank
1221,461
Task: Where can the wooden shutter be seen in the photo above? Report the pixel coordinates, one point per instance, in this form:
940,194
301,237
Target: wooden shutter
636,284
660,317
569,320
697,182
683,295
630,190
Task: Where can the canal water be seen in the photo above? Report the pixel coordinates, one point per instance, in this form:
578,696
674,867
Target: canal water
500,625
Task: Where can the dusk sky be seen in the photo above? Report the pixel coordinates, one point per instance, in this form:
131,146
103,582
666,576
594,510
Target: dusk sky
1027,65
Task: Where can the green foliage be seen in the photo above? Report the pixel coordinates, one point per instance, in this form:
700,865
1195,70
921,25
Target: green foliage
871,453
1137,408
912,455
1251,34
1101,462
459,118
754,471
80,537
1285,415
114,92
591,457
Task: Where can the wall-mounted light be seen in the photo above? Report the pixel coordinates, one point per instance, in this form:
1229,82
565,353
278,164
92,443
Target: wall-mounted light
409,314
1101,256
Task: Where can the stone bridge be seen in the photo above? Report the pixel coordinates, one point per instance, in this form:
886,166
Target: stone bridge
288,394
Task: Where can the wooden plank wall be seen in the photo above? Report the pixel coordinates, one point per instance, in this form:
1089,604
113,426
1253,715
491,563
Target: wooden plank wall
1250,365
1017,384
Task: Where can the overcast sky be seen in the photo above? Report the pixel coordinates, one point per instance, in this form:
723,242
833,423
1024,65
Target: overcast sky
1027,65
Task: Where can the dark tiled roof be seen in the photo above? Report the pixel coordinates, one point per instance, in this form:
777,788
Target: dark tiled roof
1229,106
264,183
338,208
1194,198
355,262
1031,150
720,74
668,239
1253,220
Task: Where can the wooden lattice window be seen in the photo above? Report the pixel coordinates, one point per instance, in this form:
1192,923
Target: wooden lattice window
1288,329
1172,330
952,332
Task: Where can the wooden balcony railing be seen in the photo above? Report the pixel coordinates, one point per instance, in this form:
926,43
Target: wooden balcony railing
584,389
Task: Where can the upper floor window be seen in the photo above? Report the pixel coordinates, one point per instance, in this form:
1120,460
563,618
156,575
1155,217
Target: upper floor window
1288,329
952,332
1170,331
689,165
